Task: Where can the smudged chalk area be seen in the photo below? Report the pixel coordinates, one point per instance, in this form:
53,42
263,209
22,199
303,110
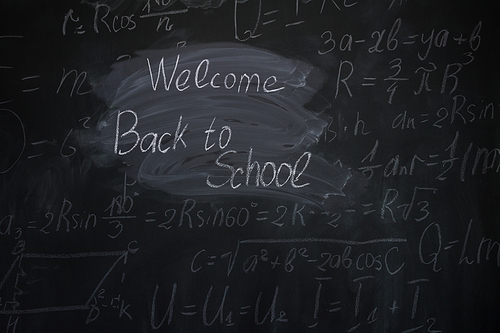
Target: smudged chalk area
275,126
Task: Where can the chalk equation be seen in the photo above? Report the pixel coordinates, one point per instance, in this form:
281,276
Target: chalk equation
249,166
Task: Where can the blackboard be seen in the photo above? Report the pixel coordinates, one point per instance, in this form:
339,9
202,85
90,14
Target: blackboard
249,166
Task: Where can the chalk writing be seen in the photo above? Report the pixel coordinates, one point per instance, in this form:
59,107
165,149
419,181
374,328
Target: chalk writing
249,166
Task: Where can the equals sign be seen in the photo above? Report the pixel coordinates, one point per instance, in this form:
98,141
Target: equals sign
244,310
370,83
150,220
37,144
261,213
336,308
211,263
368,211
30,78
451,244
410,41
269,13
189,313
432,163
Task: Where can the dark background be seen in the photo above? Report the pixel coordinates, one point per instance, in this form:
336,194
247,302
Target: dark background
132,267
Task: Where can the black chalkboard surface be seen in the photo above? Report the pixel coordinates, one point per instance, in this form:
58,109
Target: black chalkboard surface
249,166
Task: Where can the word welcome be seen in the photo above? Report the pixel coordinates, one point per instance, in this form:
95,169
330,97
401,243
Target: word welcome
201,78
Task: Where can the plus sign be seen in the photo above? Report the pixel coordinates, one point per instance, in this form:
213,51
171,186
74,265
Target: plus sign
275,262
460,40
393,308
